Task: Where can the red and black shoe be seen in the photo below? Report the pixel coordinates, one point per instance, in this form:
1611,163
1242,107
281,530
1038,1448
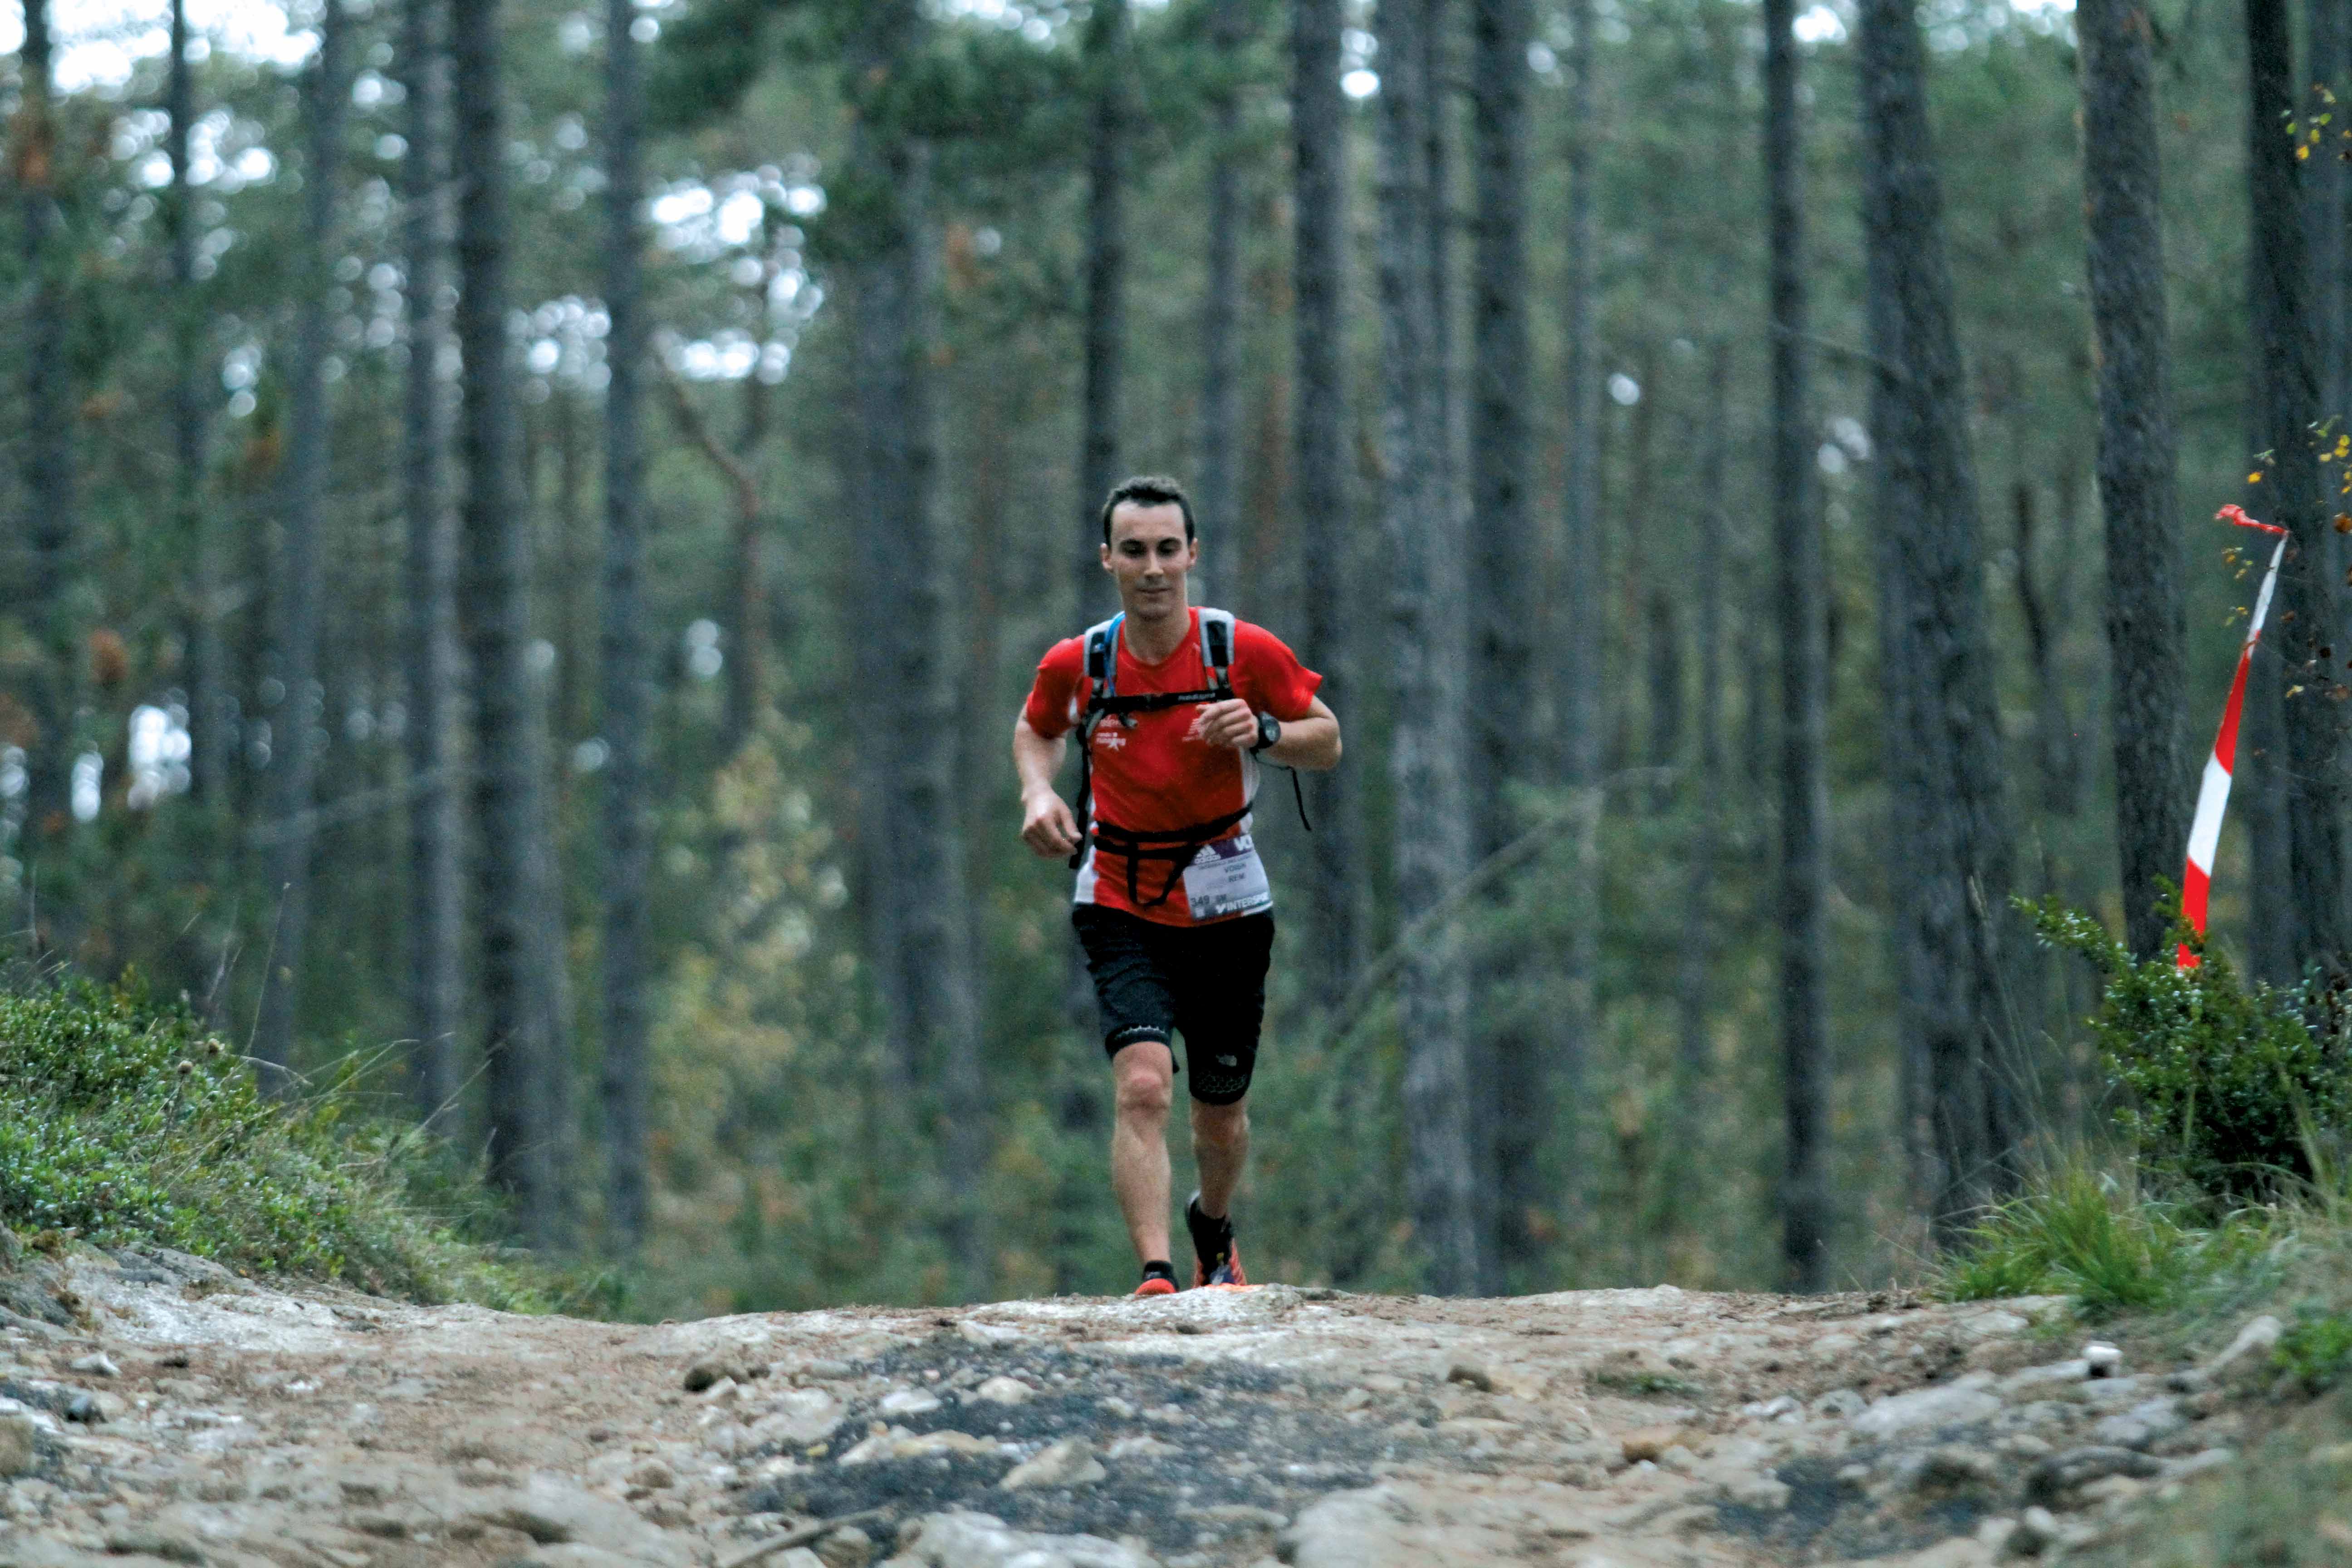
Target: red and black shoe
1159,1279
1217,1261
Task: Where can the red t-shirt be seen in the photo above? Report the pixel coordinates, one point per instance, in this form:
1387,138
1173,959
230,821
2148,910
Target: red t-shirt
1153,775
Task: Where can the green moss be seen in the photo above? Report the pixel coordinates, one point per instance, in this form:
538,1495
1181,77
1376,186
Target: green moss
123,1122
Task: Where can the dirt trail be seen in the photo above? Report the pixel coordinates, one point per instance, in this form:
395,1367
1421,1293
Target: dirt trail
187,1417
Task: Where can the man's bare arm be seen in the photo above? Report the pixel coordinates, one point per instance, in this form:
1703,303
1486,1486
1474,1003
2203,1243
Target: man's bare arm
1310,744
1046,825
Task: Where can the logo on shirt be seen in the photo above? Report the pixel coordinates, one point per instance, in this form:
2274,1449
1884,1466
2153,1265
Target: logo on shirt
1111,738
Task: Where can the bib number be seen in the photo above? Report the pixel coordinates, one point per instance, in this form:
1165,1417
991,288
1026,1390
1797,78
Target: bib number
1226,878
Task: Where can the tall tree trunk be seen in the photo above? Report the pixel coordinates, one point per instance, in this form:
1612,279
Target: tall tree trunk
625,695
207,658
49,455
2147,608
497,570
301,560
1576,626
2053,744
1106,307
1943,741
928,974
436,897
2327,202
1800,582
1694,1096
747,609
1220,406
1319,261
1428,648
2287,395
1503,595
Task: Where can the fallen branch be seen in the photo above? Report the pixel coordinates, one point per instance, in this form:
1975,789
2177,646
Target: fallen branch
800,1535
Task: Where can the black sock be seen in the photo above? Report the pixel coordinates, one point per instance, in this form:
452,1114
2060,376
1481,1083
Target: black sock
1159,1268
1212,1239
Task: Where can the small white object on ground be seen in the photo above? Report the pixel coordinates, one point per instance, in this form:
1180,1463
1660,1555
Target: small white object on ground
2104,1360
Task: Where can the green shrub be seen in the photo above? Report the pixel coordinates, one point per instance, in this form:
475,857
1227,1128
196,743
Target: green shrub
122,1122
2318,1351
2226,1083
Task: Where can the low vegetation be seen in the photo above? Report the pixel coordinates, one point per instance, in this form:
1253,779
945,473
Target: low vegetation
123,1122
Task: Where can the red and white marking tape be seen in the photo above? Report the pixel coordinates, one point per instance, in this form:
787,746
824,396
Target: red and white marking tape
2213,796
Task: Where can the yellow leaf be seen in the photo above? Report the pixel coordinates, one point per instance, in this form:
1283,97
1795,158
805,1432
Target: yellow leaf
2255,477
2294,691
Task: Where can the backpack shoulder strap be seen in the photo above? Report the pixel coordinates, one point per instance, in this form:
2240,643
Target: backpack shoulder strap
1217,647
1102,658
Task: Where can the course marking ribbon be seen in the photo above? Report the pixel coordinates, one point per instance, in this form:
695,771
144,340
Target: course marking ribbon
2213,796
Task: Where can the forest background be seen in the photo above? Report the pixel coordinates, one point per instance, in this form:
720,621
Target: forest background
651,585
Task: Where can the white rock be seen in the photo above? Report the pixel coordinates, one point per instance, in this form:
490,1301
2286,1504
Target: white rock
1070,1462
1926,1409
962,1540
2104,1360
909,1402
799,1416
1137,1446
2036,1531
2034,1377
982,1333
2149,1421
1002,1390
1839,1403
96,1364
2257,1339
1993,1325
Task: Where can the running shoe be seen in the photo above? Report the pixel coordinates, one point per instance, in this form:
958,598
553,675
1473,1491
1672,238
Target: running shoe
1155,1286
1216,1260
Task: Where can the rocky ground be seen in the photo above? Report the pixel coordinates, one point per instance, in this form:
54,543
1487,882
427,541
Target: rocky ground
156,1409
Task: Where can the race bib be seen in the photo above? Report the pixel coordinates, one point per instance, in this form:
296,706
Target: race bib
1226,878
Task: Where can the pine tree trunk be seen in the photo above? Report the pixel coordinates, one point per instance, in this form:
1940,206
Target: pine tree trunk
301,560
1576,625
1428,648
496,588
747,609
1215,496
1800,582
1694,1096
624,679
1503,595
2287,397
2327,201
2146,625
48,461
1105,306
1943,741
213,757
1320,260
437,898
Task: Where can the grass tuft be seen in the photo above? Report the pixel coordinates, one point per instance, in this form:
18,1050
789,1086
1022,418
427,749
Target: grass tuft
122,1122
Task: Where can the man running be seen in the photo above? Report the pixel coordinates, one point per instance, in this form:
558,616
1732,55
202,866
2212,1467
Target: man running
1173,708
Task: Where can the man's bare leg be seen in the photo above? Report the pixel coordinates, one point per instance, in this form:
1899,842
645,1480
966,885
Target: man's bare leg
1221,1149
1144,1077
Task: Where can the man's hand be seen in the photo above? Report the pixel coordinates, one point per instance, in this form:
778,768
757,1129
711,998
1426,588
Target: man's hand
1227,723
1047,827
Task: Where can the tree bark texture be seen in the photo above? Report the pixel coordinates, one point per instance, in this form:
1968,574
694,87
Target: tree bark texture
1216,488
48,454
1105,305
1428,638
1319,262
2287,394
1578,671
436,897
1506,744
496,609
2147,606
1943,741
625,678
1800,583
747,631
927,973
1694,1096
301,562
213,757
2328,197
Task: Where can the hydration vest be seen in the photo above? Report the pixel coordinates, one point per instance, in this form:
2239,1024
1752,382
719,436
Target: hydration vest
1174,846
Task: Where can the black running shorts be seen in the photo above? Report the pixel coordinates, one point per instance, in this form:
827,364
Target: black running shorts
1153,981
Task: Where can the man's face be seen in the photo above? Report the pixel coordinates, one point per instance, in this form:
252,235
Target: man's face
1149,556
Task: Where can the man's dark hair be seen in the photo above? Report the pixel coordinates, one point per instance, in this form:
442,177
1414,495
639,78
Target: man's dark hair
1149,489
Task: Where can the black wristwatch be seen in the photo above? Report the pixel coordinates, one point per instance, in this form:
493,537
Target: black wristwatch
1269,732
